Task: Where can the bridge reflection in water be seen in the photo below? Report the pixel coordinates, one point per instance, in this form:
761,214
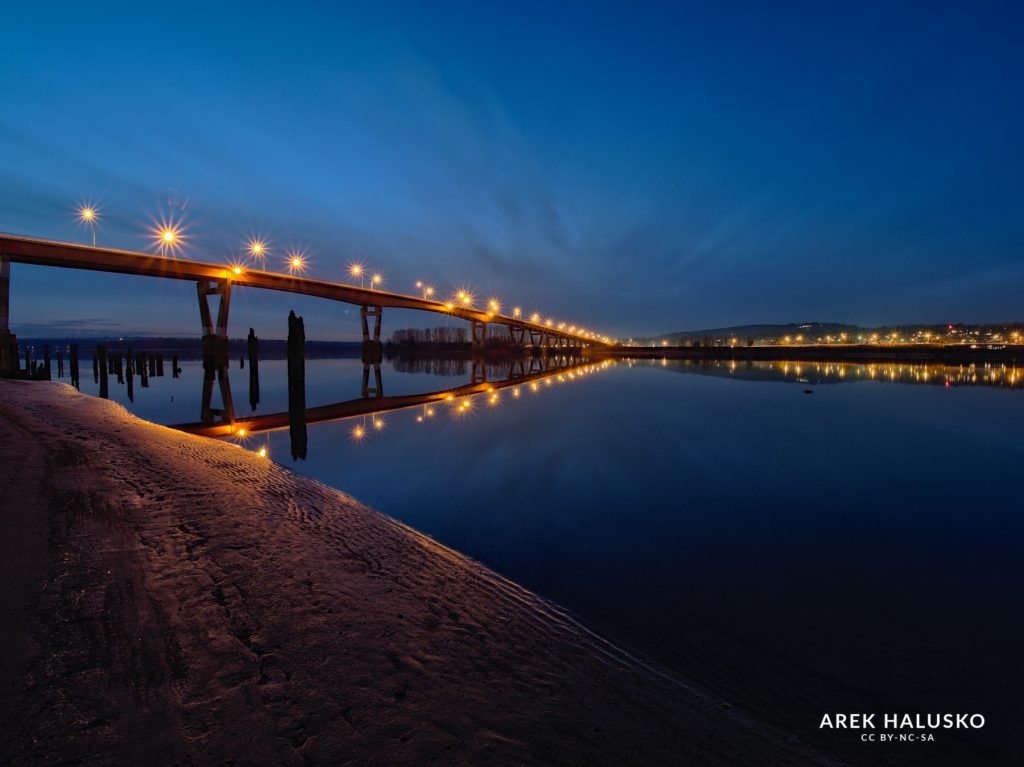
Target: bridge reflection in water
487,378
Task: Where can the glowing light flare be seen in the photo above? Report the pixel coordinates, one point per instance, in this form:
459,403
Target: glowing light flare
296,262
88,214
258,248
168,236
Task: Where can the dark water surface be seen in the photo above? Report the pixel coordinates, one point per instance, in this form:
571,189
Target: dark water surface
854,549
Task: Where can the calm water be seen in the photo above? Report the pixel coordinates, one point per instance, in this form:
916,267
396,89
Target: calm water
854,549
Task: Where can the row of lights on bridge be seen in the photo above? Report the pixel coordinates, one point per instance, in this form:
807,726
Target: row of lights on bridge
169,238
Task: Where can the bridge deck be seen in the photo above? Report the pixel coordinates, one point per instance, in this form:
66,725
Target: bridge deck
367,405
27,250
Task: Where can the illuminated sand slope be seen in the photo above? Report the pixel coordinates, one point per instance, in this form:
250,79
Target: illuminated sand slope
170,599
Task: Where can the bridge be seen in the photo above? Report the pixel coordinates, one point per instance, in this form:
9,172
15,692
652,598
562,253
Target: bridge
219,280
373,401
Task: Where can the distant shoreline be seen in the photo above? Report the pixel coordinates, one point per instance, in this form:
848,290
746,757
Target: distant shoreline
915,354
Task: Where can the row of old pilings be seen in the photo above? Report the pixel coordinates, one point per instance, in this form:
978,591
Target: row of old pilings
124,366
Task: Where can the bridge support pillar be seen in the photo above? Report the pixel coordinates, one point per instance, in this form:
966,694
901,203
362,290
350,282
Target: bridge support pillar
478,374
208,413
372,352
479,328
8,343
215,350
517,333
377,390
215,337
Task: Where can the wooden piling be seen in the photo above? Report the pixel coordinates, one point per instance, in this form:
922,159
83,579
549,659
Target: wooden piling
254,369
74,367
297,385
101,352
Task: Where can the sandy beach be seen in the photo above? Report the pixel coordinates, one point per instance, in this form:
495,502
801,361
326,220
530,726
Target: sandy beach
170,599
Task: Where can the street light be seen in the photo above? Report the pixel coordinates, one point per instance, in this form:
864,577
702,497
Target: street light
258,248
296,262
377,280
356,270
88,215
168,236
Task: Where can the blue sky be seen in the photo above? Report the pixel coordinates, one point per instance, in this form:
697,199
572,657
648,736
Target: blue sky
637,168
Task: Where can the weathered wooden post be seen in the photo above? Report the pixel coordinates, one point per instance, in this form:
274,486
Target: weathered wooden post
60,362
160,366
46,362
297,385
101,352
254,369
95,366
74,367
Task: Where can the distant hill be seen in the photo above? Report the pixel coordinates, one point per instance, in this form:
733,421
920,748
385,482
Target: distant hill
838,332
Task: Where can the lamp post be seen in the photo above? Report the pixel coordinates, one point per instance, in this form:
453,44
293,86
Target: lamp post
88,215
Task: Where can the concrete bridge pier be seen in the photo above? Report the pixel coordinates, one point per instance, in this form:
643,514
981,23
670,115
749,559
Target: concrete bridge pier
215,350
208,414
377,390
479,332
518,334
372,349
8,343
215,337
478,374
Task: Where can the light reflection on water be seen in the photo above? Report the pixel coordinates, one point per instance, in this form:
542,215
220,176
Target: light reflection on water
852,550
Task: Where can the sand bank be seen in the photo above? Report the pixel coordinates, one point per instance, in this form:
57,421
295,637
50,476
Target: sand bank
169,599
